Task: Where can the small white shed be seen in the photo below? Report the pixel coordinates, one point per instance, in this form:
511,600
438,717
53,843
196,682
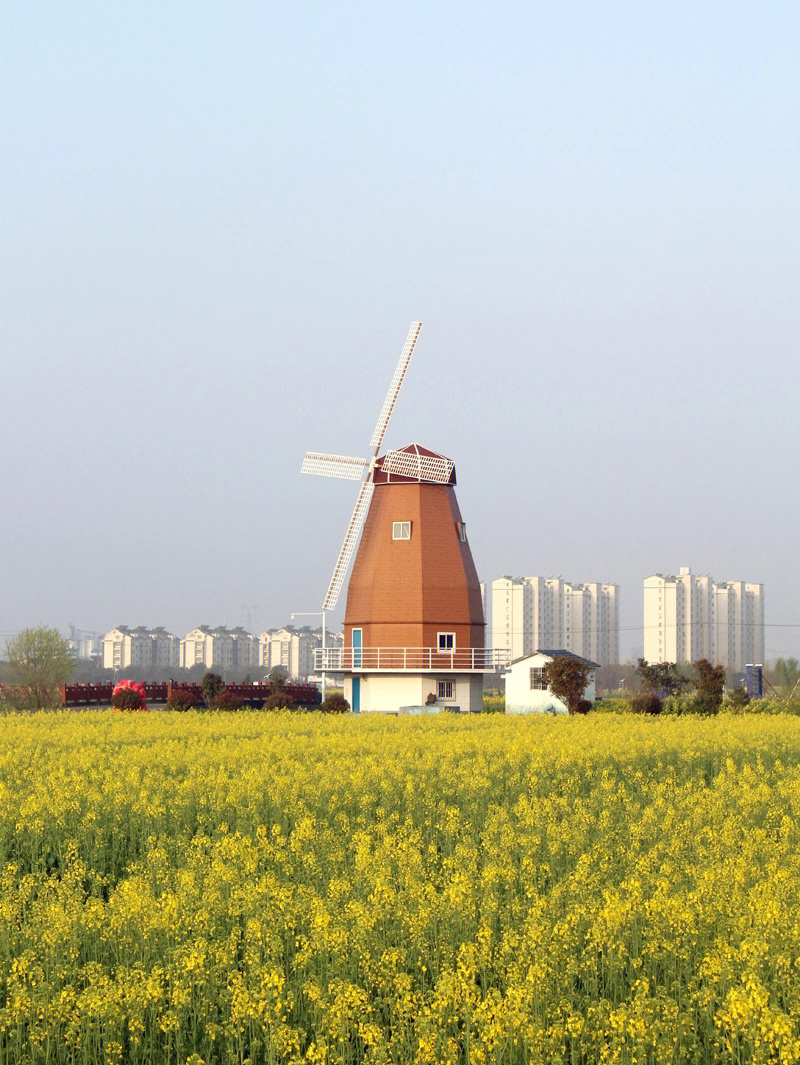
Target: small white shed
526,691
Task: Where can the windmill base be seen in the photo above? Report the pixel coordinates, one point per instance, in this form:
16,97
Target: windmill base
404,693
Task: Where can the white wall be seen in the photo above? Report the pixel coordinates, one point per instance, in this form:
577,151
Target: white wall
387,693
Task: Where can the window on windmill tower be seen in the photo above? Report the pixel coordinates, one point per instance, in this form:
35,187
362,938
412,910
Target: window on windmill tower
445,641
462,531
445,689
401,530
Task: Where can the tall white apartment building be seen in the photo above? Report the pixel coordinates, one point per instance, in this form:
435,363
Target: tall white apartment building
687,617
590,621
535,613
124,647
220,649
739,624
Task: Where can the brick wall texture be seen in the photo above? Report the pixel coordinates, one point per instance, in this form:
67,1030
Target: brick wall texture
403,592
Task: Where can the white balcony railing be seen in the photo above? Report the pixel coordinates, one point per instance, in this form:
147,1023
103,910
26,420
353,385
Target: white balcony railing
410,659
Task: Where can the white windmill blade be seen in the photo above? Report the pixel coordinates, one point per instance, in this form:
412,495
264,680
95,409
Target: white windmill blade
349,544
334,465
394,387
420,467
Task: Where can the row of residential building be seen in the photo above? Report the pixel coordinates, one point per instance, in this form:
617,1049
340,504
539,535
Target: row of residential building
528,613
220,649
687,617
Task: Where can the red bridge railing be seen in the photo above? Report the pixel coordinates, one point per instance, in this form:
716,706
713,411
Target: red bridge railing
160,691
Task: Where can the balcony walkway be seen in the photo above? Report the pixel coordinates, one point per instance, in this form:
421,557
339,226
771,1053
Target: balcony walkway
409,660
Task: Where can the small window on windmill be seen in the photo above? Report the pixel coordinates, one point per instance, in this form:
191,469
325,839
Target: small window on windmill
446,641
401,530
462,531
445,689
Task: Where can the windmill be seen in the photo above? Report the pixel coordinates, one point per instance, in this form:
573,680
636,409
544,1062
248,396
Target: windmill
429,467
414,623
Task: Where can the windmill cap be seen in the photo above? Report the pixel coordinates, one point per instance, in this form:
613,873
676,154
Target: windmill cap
414,464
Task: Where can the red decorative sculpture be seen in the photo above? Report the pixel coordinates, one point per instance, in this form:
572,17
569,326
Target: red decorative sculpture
134,686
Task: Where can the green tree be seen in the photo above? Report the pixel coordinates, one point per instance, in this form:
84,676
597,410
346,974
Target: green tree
38,661
710,681
193,675
785,673
661,678
212,685
278,678
567,677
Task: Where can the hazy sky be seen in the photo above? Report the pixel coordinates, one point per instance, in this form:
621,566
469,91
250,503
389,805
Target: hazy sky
217,222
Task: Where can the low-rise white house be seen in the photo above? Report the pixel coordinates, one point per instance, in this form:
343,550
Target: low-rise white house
526,691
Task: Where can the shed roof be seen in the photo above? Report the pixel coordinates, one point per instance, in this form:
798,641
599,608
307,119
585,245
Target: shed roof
556,653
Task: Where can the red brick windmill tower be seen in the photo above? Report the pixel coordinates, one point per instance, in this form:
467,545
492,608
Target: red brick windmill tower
414,625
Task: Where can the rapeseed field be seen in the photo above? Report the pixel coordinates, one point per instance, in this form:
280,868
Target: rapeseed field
251,887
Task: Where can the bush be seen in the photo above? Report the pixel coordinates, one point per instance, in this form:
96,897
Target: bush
701,703
181,701
611,705
772,706
335,704
228,700
706,703
679,704
278,701
647,703
737,700
18,701
126,699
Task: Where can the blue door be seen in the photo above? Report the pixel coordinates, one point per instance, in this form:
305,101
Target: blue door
356,648
356,694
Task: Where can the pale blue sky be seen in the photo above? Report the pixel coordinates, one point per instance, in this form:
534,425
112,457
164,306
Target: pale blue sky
217,222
